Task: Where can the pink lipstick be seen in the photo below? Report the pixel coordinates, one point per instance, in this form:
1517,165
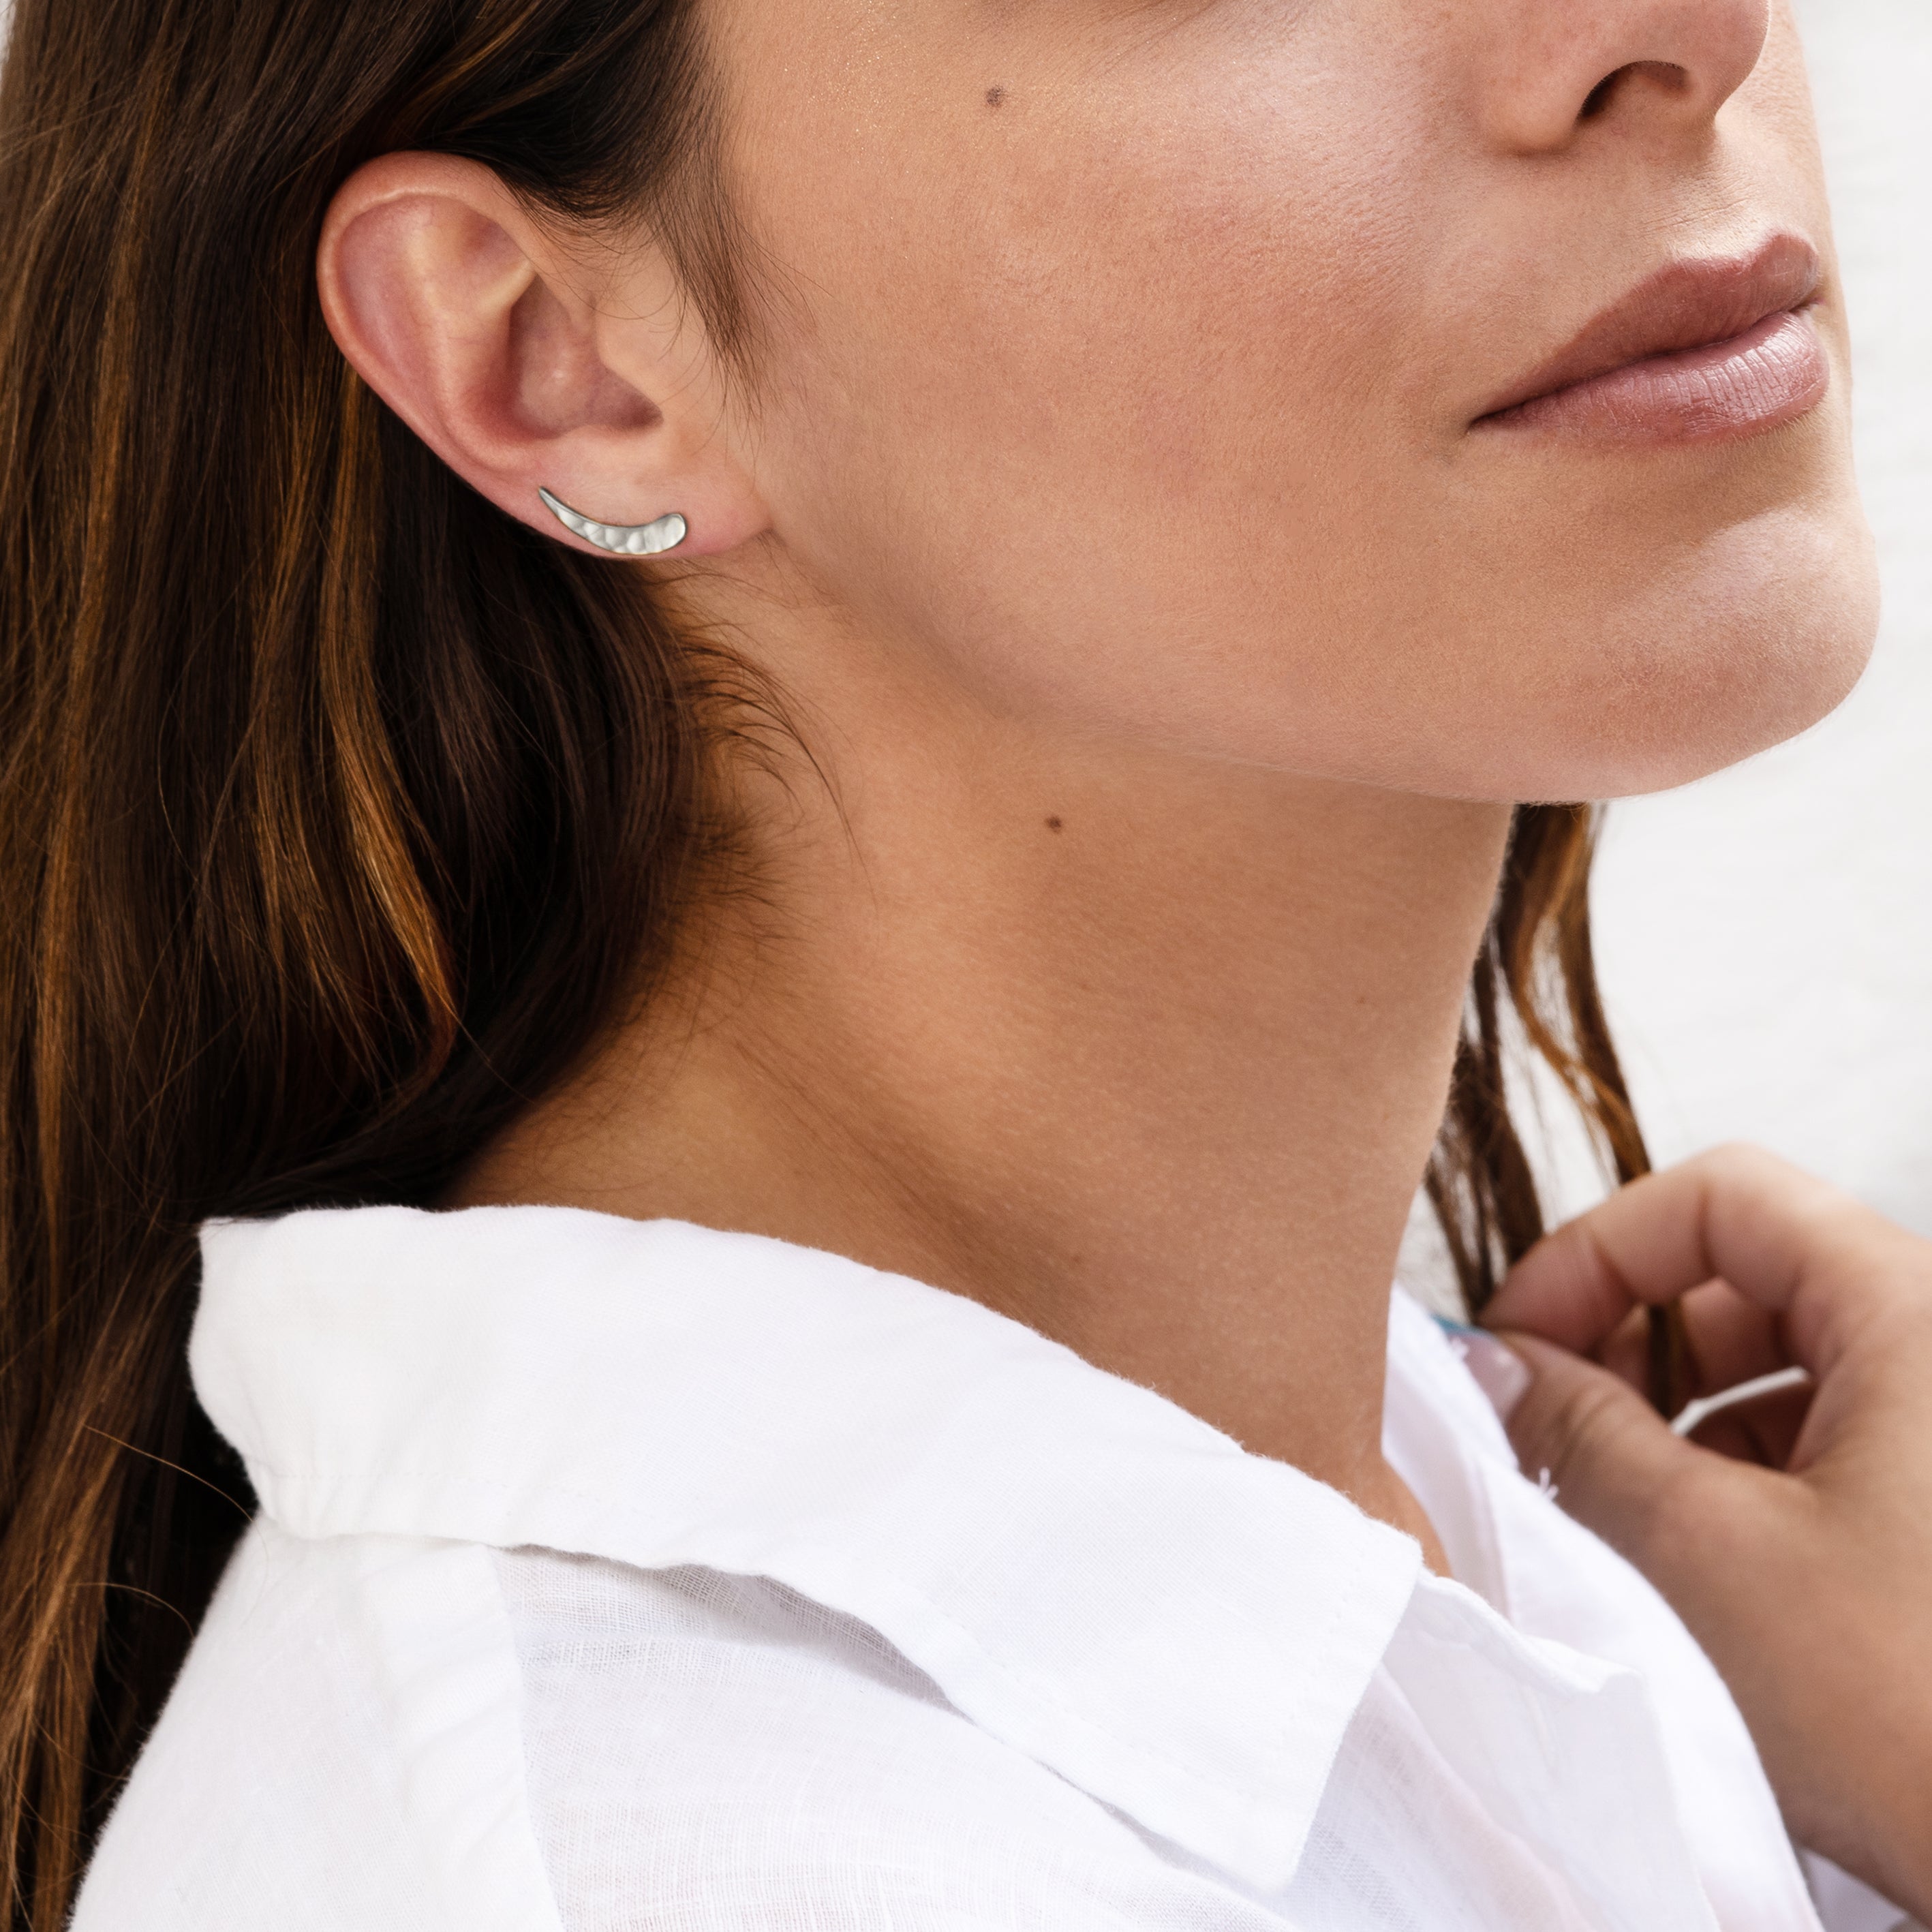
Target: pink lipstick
1702,351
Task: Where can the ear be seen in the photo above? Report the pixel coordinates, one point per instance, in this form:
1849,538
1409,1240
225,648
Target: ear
520,366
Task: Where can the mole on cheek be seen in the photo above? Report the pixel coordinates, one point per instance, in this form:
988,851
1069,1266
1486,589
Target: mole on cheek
1053,825
994,95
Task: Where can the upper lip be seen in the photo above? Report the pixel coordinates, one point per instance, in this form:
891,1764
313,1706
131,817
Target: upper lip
1686,304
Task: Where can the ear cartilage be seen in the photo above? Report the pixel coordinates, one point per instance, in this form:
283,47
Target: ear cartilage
650,539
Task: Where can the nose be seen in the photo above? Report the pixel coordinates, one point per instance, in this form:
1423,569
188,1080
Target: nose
1560,64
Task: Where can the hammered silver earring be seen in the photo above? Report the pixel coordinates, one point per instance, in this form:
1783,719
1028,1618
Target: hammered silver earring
650,539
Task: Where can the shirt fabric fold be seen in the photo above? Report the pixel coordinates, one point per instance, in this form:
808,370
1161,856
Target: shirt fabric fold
613,1574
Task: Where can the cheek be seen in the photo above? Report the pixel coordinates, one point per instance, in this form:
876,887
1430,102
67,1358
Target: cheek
1069,332
1142,405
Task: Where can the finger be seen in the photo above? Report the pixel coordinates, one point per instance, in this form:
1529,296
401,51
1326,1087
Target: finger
1567,1288
1763,1430
1625,1350
1764,1227
1610,1459
1731,1340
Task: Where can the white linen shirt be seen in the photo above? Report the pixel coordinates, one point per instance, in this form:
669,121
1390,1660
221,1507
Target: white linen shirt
612,1575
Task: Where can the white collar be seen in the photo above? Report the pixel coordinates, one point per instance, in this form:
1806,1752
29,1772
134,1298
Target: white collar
1049,1543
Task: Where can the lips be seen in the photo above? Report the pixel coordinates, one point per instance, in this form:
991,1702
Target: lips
1702,350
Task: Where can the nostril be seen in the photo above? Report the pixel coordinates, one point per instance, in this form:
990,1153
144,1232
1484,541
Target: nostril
1665,76
1599,96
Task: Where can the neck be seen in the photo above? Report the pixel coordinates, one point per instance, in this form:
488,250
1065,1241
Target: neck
1146,1051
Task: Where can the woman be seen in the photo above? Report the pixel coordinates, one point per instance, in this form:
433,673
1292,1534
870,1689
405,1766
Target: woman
922,993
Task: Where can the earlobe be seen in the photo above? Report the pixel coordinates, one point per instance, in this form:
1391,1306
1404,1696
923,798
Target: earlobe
534,385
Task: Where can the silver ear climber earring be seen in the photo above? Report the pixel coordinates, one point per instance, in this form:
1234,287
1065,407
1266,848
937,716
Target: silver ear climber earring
620,539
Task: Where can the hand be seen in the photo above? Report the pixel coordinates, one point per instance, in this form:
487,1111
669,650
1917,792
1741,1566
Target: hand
1793,1534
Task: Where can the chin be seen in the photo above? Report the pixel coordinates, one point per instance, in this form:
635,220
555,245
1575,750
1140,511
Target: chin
1721,677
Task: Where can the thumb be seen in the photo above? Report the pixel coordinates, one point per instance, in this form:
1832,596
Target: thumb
1610,1458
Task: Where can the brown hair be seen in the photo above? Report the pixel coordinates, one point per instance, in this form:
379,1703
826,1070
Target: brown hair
1536,954
338,811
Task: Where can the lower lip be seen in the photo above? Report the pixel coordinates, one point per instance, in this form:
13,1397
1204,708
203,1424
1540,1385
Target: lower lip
1772,374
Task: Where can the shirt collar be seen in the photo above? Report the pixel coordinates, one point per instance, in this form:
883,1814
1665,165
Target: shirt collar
1088,1572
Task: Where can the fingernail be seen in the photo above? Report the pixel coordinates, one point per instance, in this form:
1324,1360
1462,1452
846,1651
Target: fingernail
1500,1373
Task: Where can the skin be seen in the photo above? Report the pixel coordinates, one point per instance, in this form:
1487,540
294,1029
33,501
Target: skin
1794,1536
1102,497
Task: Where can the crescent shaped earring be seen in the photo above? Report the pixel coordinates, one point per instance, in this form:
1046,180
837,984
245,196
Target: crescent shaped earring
650,539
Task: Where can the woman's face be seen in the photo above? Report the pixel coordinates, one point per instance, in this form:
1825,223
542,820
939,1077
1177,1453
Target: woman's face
1136,361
